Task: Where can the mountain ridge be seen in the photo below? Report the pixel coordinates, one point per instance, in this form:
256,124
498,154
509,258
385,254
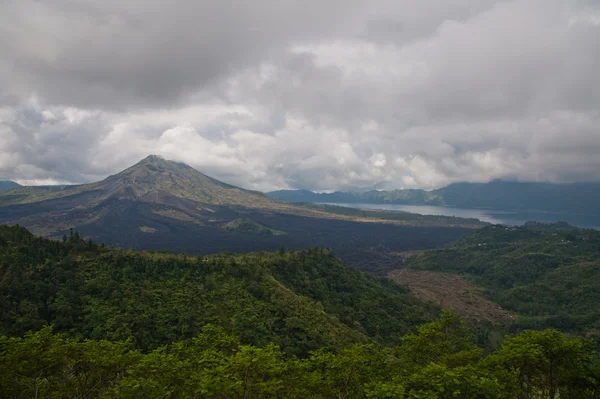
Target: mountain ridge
495,195
8,185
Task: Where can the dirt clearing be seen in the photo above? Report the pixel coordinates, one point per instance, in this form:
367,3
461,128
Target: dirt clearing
451,292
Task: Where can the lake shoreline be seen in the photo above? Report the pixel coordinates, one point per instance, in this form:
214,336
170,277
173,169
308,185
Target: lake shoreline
509,218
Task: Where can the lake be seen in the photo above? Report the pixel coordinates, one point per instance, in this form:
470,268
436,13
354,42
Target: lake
495,217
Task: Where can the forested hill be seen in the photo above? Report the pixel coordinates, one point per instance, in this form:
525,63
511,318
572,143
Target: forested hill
548,274
7,185
264,325
496,195
300,301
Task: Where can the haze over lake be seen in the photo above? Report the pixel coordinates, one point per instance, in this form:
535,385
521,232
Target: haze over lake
495,217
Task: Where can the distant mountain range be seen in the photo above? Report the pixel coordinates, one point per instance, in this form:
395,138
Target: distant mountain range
582,198
7,185
165,205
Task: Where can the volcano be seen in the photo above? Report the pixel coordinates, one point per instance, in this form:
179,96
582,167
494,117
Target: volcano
165,205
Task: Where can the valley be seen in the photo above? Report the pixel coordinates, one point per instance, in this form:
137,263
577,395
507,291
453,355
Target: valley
545,274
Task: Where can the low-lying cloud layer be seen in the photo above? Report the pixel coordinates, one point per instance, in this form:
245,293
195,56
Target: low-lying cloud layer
302,94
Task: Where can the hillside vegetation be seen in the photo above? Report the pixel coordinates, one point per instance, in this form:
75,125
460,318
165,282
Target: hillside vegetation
79,320
439,361
247,226
300,301
547,274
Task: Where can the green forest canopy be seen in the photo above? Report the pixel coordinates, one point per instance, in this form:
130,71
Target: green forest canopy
548,274
439,361
300,301
109,323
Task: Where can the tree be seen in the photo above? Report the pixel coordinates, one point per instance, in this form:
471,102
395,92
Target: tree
447,341
47,365
548,365
29,365
348,373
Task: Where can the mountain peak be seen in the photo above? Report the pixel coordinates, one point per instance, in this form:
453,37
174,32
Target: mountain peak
154,165
156,177
152,158
159,160
155,180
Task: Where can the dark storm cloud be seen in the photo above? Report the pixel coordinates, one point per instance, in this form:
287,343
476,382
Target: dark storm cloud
321,95
124,53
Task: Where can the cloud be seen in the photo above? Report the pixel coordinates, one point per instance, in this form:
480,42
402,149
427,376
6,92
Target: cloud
319,95
49,146
121,54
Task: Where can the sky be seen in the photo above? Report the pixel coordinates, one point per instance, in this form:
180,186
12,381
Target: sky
322,95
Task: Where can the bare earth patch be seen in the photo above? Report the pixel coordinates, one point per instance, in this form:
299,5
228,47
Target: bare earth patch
452,292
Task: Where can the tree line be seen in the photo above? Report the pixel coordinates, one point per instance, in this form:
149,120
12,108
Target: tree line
438,361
